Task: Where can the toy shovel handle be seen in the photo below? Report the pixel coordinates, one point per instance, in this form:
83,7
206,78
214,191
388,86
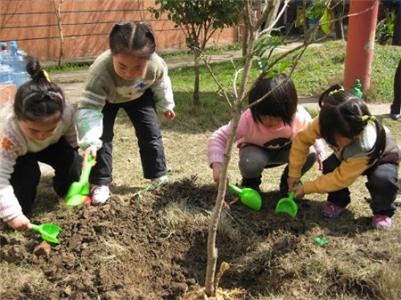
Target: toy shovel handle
34,227
86,168
291,195
234,188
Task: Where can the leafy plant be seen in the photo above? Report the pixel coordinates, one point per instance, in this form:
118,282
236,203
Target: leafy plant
385,28
199,19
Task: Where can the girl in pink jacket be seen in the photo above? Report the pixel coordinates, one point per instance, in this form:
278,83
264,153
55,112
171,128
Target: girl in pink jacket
265,132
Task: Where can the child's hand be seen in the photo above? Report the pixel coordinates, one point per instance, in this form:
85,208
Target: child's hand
216,171
299,191
169,115
291,181
20,222
91,150
320,158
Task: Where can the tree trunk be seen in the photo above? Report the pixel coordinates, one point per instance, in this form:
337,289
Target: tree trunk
212,251
248,45
57,9
339,26
196,82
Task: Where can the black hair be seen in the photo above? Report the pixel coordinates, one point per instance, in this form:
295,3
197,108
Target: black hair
281,102
37,98
344,114
132,37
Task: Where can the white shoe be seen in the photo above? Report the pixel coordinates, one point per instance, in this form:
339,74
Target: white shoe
160,180
100,194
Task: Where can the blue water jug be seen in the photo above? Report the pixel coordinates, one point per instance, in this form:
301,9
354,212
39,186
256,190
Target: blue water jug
17,60
6,74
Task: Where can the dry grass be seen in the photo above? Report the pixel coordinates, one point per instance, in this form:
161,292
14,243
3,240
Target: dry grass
14,277
358,262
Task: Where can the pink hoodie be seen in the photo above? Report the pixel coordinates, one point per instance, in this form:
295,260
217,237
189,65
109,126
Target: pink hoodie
250,132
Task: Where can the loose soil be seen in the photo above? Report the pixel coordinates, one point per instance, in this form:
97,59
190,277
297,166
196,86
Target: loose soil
130,249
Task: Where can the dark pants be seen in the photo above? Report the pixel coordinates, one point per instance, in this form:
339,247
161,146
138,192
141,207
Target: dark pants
395,106
61,156
382,185
254,159
142,113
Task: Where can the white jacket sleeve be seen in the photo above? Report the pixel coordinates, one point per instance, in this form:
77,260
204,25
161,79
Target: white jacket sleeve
163,91
89,117
9,205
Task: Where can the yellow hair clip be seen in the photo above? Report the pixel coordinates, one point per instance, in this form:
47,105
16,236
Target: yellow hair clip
336,91
46,75
368,119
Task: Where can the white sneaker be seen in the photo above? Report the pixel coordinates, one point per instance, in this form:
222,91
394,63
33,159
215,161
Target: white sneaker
100,194
160,180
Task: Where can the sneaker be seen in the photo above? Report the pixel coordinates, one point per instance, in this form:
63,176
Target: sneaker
160,180
330,210
381,222
100,194
395,117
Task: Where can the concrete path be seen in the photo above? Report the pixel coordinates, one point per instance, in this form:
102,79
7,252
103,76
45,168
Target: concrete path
73,82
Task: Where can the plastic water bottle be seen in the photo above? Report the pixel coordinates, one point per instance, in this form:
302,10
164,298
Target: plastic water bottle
5,73
17,62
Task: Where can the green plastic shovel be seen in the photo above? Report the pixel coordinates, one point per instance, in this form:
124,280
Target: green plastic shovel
48,232
249,197
78,193
287,205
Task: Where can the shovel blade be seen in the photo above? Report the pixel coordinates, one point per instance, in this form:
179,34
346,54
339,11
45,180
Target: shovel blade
75,200
48,232
251,198
287,205
74,189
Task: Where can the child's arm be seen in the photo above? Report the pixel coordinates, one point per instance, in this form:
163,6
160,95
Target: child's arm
217,144
301,120
9,205
343,176
300,147
89,117
71,131
320,152
163,91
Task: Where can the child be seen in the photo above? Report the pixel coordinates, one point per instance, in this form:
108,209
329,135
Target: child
37,127
133,77
265,132
361,147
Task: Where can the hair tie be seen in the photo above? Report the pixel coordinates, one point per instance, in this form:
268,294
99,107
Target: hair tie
368,119
46,75
336,91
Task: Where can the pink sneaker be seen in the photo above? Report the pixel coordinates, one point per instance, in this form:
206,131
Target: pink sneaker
330,210
381,222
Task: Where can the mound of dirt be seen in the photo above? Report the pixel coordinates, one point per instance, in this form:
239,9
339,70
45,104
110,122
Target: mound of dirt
154,247
118,250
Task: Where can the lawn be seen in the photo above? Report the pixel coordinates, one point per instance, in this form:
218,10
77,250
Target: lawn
154,246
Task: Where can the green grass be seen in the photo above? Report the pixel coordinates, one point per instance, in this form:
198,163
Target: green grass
68,67
319,68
